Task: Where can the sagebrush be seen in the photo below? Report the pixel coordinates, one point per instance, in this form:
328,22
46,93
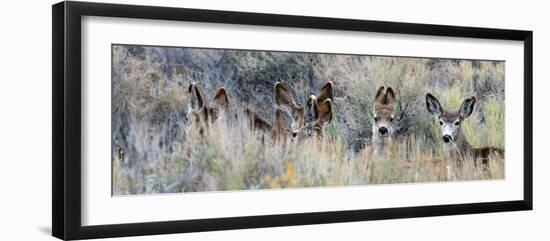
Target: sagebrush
149,119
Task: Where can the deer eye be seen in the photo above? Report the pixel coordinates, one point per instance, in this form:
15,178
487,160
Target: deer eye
376,119
440,123
391,119
457,123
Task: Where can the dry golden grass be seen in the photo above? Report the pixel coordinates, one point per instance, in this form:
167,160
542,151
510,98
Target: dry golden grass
232,157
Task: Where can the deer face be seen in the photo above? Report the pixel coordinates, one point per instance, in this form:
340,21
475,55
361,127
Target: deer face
450,122
201,114
312,117
298,121
384,103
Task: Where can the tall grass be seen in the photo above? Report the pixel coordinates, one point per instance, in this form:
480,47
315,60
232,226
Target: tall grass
232,157
149,120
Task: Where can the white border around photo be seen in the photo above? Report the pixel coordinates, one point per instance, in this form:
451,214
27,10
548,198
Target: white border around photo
99,207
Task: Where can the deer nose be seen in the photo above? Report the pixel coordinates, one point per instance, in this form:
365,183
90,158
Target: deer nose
447,138
294,134
383,130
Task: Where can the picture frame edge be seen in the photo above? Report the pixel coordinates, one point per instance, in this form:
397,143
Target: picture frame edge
66,149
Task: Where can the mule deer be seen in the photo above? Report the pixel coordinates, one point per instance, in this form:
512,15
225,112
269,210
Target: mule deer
201,114
382,128
312,117
454,141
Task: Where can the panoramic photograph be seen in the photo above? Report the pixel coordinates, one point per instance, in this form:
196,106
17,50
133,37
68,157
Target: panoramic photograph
187,119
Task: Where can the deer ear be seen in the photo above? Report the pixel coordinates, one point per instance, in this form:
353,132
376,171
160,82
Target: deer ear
390,97
379,98
433,105
325,92
324,111
311,109
220,101
194,98
467,107
283,97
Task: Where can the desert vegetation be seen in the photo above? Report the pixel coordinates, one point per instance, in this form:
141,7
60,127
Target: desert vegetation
153,152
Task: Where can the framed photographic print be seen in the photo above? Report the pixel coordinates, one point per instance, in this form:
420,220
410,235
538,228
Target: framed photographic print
169,120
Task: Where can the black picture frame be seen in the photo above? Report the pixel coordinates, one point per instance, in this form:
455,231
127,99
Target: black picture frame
67,135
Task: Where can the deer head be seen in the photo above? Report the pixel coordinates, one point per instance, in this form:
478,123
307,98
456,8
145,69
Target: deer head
384,107
312,116
450,122
199,112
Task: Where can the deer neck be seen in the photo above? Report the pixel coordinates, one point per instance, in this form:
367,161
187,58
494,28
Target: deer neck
460,144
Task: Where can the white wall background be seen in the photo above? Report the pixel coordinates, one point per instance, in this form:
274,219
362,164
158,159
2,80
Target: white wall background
25,119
